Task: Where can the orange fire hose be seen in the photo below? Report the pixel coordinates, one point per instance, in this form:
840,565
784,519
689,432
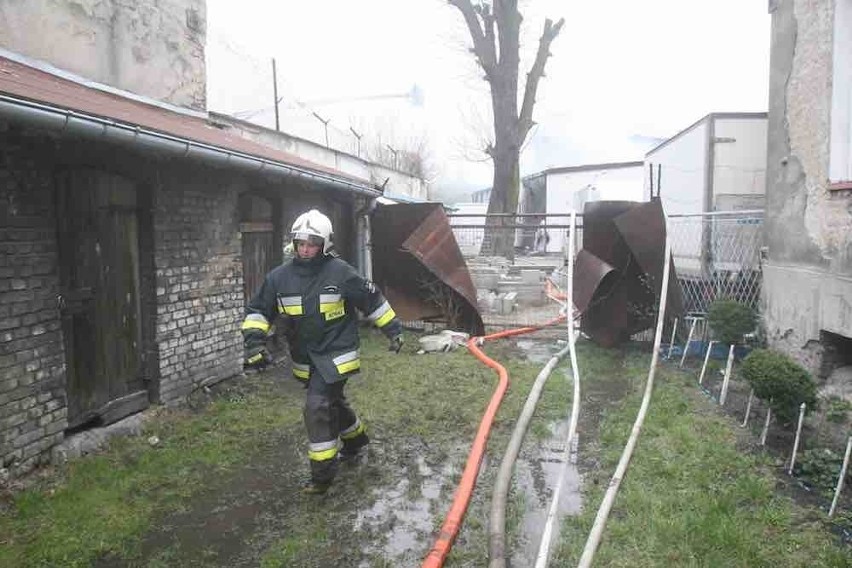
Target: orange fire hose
441,548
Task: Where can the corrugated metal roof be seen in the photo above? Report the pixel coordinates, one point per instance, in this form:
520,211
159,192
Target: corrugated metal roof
25,82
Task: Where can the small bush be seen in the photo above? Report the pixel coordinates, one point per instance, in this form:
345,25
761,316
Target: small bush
819,468
780,380
730,320
837,410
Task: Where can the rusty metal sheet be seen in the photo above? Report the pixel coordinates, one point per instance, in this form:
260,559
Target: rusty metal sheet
629,238
600,235
643,229
589,272
419,266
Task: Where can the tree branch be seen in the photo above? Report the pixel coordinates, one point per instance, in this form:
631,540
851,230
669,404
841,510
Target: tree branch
550,32
483,41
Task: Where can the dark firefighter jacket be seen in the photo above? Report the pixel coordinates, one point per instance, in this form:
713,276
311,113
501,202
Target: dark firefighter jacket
317,299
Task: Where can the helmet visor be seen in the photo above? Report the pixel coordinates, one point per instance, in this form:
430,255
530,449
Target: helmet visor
310,239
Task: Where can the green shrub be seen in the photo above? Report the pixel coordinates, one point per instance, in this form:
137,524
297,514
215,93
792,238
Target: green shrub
780,380
837,410
730,320
819,468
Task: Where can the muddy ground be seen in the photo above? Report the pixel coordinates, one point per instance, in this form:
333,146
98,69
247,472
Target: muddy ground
384,509
236,521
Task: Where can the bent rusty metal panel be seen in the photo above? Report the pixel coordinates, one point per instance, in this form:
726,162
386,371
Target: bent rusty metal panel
420,268
629,238
644,231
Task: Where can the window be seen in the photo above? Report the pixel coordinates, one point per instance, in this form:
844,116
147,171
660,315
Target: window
840,161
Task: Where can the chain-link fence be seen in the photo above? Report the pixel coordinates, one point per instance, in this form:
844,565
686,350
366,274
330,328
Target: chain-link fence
716,255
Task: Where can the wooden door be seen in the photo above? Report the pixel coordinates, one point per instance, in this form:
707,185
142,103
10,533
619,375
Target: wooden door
99,300
258,242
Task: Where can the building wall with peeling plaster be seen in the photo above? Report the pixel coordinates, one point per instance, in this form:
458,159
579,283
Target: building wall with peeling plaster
153,48
808,267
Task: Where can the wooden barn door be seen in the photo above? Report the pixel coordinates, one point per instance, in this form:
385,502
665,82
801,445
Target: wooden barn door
259,252
99,300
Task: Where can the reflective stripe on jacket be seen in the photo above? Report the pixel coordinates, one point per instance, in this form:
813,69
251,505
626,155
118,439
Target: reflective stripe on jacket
317,301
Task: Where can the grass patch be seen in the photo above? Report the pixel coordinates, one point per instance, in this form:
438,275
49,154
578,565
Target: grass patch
429,407
103,503
691,497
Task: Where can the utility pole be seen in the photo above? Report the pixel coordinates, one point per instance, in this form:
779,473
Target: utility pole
358,138
394,152
325,125
275,93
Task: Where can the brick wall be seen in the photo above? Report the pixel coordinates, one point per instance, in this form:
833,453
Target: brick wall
32,365
190,276
198,283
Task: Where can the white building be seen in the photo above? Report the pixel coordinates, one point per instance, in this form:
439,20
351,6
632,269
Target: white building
566,189
716,164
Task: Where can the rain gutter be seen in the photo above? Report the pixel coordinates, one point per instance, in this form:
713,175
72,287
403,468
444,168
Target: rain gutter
67,121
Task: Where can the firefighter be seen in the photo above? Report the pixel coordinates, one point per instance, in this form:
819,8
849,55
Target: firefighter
316,294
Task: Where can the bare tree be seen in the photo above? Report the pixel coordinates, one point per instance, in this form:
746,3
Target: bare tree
495,30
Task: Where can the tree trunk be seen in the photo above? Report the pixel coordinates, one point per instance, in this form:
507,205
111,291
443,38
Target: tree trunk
495,31
499,239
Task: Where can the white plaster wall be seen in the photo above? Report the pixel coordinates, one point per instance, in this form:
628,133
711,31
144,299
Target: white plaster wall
739,167
399,183
807,283
683,165
153,48
799,302
841,111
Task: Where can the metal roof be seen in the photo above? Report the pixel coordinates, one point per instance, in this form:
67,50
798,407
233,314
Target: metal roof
25,84
706,118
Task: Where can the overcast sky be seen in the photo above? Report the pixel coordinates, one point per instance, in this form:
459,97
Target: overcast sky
622,71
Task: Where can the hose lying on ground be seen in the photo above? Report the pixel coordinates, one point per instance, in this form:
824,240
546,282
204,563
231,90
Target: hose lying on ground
441,548
570,441
606,505
497,524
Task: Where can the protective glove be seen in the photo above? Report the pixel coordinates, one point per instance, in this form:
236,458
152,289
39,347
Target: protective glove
256,357
396,344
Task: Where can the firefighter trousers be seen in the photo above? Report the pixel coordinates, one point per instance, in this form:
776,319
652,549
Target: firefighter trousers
332,426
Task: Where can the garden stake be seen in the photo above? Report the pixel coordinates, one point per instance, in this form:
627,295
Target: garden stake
688,339
842,477
748,409
798,435
706,358
724,394
671,341
766,424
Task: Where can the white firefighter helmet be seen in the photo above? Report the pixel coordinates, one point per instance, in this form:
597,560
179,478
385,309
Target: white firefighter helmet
312,226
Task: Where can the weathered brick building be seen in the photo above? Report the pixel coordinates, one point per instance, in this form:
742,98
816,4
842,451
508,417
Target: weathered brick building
130,233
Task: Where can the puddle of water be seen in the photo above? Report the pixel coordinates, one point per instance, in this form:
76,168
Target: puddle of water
405,519
539,466
539,351
537,476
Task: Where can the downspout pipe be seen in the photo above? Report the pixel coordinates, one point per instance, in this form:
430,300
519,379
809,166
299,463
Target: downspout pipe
91,127
365,238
